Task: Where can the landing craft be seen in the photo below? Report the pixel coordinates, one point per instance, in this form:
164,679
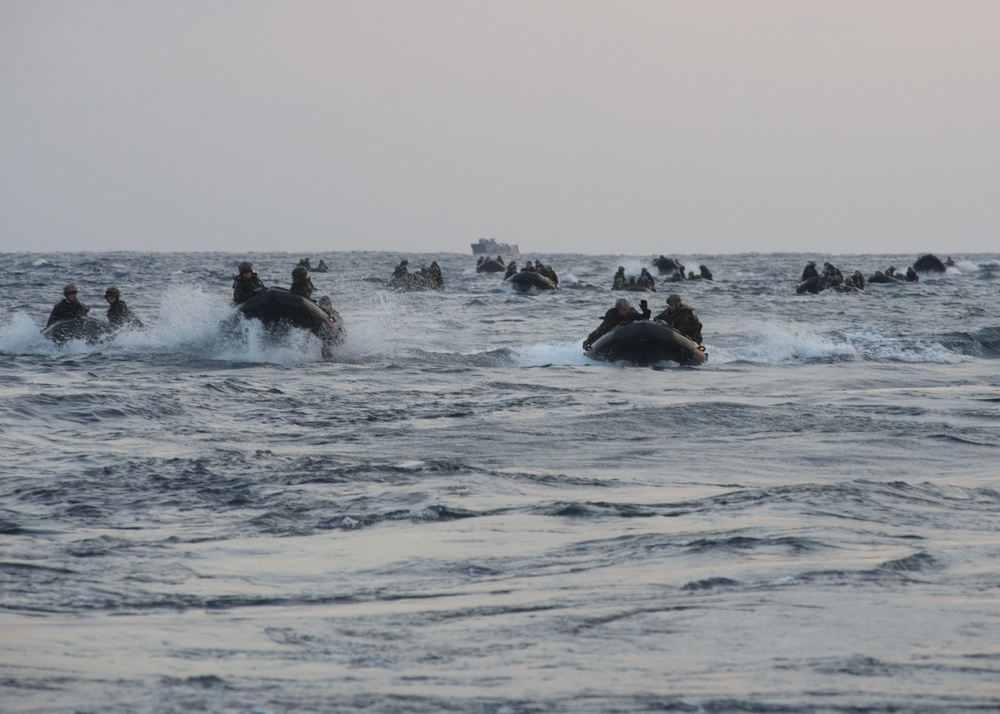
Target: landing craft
490,246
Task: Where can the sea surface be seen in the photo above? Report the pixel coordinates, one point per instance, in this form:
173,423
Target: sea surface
460,512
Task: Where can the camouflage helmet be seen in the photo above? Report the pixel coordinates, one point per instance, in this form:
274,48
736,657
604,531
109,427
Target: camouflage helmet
622,304
300,272
69,289
114,292
246,267
674,299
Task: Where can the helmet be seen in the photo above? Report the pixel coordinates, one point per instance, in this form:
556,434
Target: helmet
114,292
674,299
300,272
622,304
246,266
70,288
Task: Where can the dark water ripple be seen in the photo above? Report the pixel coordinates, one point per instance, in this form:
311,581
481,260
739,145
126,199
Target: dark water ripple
460,512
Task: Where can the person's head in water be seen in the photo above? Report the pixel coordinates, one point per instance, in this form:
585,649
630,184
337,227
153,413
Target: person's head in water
622,306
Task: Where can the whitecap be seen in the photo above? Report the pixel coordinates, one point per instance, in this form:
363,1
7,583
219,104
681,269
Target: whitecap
782,347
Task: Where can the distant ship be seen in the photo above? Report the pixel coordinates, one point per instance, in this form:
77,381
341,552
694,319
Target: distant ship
490,247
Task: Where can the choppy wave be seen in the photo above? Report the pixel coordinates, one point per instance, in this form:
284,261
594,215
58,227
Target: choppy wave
459,511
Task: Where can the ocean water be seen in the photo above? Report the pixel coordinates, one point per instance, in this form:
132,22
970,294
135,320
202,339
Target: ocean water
461,512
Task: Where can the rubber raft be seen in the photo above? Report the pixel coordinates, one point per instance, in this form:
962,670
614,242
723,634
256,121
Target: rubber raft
528,280
491,265
667,265
646,343
88,329
280,309
929,263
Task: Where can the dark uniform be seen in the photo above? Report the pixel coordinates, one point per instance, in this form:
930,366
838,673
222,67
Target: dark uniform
548,272
613,319
681,318
67,309
119,314
301,284
435,276
246,287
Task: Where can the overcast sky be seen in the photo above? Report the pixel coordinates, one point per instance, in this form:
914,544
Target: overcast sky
565,126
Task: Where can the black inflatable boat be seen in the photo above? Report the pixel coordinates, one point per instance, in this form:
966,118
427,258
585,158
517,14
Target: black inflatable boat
88,329
528,280
645,343
280,310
